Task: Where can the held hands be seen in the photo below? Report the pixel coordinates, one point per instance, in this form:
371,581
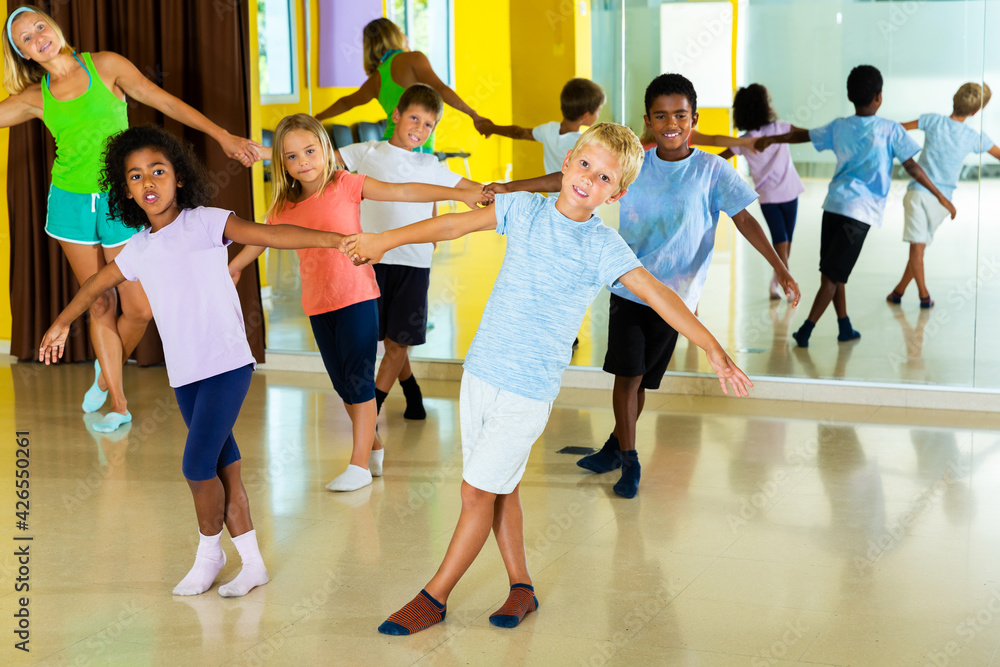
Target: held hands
728,371
484,126
491,190
245,151
363,248
53,343
748,144
763,142
474,197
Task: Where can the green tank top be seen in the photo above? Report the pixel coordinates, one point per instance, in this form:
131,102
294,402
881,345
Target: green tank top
388,96
81,127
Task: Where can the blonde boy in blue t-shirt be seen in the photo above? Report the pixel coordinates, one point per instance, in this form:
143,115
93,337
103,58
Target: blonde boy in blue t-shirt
559,255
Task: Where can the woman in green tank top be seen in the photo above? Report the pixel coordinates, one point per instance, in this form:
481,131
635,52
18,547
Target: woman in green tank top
392,68
81,99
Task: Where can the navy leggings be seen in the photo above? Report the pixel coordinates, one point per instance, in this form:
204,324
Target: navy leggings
210,408
780,220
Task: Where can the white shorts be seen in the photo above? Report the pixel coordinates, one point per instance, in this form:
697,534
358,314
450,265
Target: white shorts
498,430
924,214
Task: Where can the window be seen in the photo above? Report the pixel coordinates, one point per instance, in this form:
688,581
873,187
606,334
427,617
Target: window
428,25
279,59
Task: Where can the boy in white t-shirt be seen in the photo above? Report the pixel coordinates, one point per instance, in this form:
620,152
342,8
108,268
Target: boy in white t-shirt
947,140
580,101
404,274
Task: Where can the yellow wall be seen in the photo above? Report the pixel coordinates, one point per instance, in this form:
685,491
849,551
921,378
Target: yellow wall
553,32
6,322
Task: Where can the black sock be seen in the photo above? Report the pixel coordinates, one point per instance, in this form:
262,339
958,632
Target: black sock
628,485
802,335
379,399
414,399
607,459
847,332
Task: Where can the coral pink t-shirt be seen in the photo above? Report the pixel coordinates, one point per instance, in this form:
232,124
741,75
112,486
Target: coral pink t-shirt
329,280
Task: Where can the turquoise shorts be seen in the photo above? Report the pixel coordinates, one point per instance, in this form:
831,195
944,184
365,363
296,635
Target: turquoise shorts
84,219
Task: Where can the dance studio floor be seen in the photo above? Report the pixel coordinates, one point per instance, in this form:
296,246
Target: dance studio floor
764,533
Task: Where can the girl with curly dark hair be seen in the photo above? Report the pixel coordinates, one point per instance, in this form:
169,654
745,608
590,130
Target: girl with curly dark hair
158,186
774,175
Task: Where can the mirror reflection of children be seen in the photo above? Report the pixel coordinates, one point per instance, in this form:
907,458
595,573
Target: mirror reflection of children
865,146
774,175
159,188
947,140
559,255
339,298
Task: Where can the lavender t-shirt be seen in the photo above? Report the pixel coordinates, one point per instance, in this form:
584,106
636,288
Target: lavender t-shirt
184,270
774,175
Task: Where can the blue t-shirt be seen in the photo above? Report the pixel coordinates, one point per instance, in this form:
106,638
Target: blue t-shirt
865,147
552,271
946,143
669,217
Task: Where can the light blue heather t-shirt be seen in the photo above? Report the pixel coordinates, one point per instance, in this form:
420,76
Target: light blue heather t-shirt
552,270
865,147
669,217
946,143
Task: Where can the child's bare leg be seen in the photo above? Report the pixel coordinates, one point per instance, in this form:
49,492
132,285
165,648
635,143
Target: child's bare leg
508,528
358,475
392,365
916,265
824,295
904,282
474,525
240,525
209,505
628,398
840,300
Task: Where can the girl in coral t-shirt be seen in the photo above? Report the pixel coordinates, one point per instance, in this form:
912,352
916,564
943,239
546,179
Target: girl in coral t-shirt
339,298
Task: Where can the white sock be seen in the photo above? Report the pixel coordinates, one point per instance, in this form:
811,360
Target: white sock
375,462
207,564
352,479
253,573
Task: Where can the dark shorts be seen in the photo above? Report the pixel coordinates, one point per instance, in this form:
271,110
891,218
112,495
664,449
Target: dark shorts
780,219
639,342
402,307
347,341
840,245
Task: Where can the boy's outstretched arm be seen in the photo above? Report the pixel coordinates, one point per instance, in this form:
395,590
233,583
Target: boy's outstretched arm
723,140
365,248
995,151
752,232
548,183
918,174
54,340
419,192
488,128
671,308
796,135
911,125
289,237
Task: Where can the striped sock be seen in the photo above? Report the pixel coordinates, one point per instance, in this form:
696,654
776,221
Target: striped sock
419,614
520,601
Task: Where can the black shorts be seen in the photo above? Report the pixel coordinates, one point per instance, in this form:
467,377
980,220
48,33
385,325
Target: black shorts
840,245
639,342
402,306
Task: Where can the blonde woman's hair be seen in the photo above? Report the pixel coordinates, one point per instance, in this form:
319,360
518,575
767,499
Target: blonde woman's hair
19,73
378,38
970,98
621,142
284,185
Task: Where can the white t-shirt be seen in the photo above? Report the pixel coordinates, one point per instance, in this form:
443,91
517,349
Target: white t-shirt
391,164
554,145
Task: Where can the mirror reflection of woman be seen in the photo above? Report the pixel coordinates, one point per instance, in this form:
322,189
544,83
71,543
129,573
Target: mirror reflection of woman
392,68
81,99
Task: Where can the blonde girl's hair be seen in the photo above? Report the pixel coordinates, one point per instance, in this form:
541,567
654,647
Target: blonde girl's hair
621,142
284,185
19,73
970,98
378,38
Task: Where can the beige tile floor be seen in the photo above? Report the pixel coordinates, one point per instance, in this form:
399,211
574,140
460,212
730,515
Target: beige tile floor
764,533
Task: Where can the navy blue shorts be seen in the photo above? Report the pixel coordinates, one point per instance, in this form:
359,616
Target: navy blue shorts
780,219
639,342
348,340
210,408
402,306
840,245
